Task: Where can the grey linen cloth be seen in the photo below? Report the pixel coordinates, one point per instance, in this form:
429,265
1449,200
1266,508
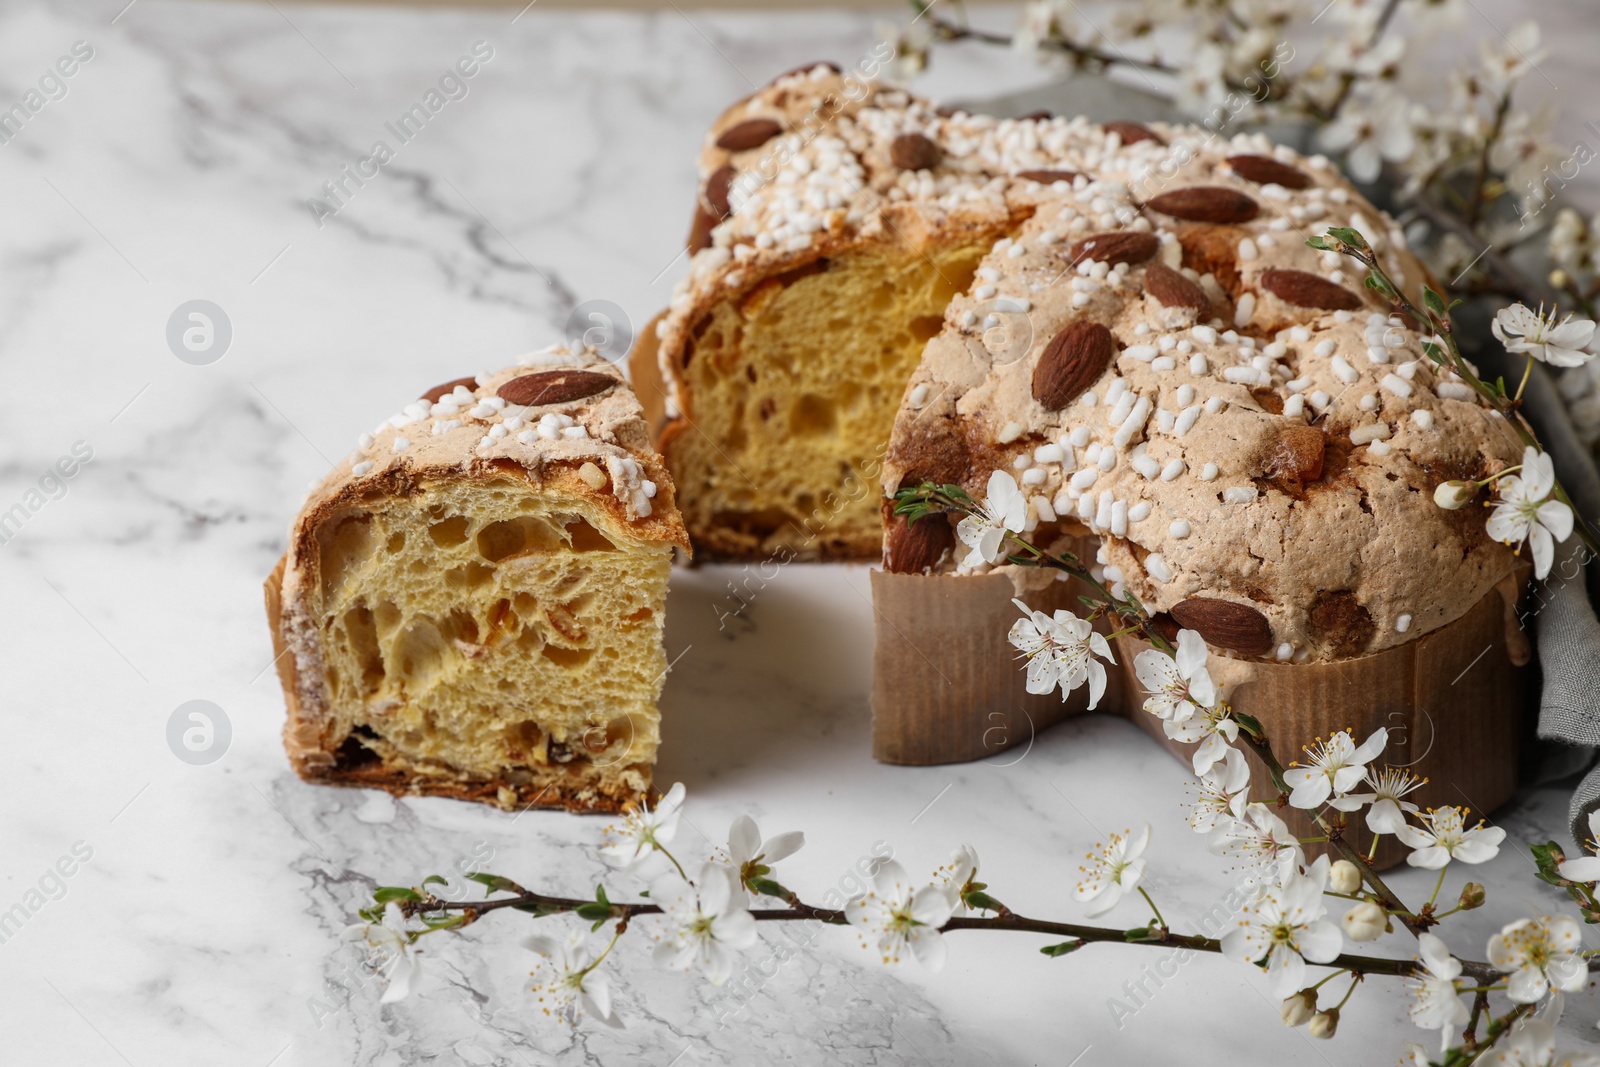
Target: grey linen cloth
1561,610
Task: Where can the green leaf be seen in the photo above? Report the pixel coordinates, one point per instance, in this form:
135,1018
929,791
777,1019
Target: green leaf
1346,235
1433,351
600,912
1138,933
1544,857
1433,300
1319,242
977,899
536,909
1063,948
600,895
385,893
1248,723
495,883
435,879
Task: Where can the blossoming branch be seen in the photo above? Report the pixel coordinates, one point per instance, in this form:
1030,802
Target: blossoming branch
702,922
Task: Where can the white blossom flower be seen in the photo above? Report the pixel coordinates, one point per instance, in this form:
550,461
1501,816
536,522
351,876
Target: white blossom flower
1177,686
1060,651
1260,842
1548,338
1365,921
1115,868
1572,241
752,857
643,830
1337,766
1298,1008
1455,494
1389,785
573,986
707,924
1363,57
1538,955
1584,868
1224,789
1505,66
1438,1004
1344,877
1370,133
1004,510
1284,929
1214,728
389,952
1526,153
1038,25
1445,836
1532,1043
1414,1055
959,873
1525,511
899,915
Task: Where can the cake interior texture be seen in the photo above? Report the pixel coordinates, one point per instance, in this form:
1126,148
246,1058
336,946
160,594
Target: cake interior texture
489,631
794,388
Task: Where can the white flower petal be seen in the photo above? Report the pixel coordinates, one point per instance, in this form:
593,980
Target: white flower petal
744,840
783,846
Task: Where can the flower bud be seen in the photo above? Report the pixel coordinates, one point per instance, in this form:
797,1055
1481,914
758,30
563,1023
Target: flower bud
1343,877
1325,1024
1298,1009
1455,494
1364,922
1471,896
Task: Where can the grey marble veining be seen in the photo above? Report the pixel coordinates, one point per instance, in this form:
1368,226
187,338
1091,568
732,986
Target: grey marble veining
203,926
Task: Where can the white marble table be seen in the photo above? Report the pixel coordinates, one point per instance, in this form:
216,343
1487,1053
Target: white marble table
201,928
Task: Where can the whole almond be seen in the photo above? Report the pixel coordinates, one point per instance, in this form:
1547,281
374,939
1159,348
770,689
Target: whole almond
1265,170
554,387
1070,362
439,392
1307,290
915,547
1133,132
913,151
1049,177
1128,246
718,187
751,133
1173,289
1226,624
1206,203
